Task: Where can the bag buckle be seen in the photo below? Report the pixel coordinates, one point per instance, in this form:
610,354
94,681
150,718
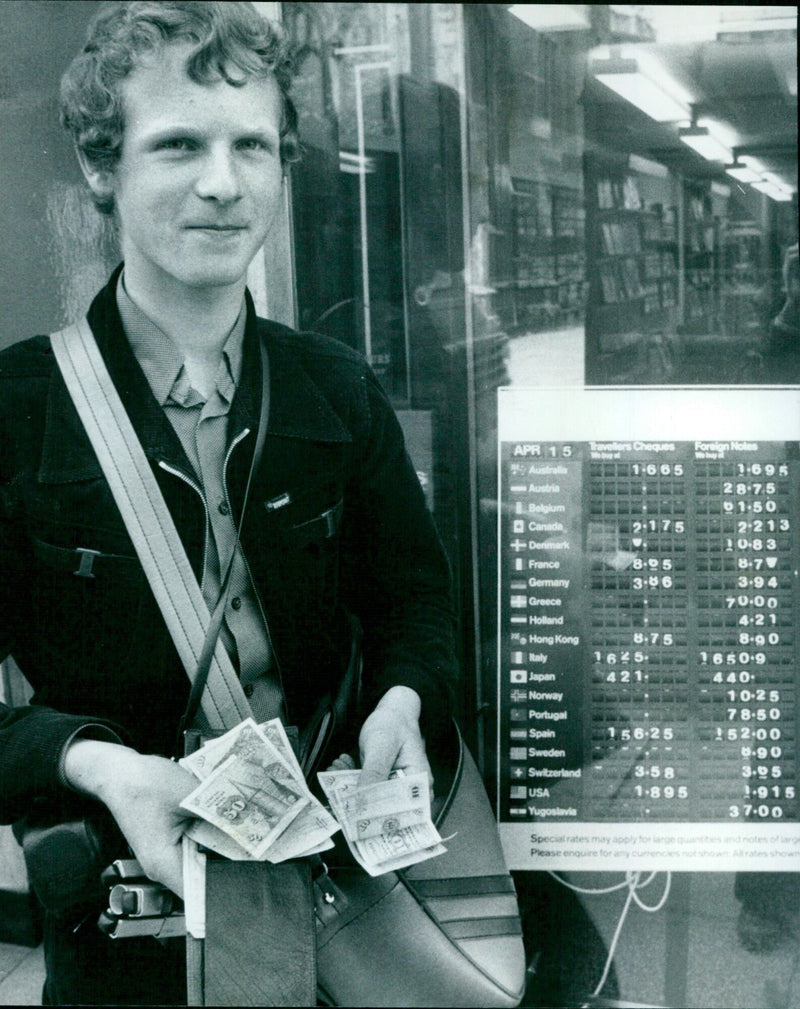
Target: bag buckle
84,569
137,905
329,900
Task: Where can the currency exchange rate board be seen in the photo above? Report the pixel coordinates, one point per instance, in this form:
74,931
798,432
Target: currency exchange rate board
649,628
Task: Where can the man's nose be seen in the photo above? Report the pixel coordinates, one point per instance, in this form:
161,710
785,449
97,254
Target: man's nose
219,178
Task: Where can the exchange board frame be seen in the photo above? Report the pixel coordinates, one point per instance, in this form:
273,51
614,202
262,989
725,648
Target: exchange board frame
649,628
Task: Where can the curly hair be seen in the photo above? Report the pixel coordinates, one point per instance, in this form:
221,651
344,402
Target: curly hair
230,42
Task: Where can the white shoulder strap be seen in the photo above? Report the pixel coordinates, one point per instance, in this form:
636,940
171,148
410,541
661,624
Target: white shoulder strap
147,519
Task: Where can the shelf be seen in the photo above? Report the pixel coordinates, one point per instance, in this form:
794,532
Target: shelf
632,255
535,285
749,232
548,253
638,211
741,292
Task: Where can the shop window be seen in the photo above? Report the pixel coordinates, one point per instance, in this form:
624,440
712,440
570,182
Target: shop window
544,268
379,226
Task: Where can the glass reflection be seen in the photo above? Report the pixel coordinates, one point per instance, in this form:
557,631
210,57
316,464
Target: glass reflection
495,197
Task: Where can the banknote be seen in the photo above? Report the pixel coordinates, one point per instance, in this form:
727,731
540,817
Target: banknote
310,838
250,800
307,834
385,798
388,825
371,825
246,741
264,746
397,848
311,831
337,785
338,781
401,792
276,734
208,836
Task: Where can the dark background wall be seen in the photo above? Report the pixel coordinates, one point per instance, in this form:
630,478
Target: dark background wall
54,247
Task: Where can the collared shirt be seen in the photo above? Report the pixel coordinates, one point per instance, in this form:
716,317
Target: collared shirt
202,427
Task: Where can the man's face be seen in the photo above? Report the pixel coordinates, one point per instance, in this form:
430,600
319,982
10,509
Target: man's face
199,178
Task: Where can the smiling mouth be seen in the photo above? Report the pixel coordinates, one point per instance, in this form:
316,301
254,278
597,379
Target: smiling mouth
216,227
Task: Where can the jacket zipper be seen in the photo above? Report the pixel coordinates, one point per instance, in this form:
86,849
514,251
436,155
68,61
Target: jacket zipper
195,487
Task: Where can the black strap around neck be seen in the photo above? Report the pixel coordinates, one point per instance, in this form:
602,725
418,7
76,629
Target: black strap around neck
217,614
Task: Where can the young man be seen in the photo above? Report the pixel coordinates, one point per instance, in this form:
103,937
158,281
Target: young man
182,126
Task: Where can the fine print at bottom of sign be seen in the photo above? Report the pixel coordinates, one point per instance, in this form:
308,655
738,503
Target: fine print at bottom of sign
651,847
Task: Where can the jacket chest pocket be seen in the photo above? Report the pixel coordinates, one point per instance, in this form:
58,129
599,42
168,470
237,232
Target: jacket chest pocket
319,531
307,535
86,602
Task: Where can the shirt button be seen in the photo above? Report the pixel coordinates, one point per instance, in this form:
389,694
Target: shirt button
223,508
249,689
236,603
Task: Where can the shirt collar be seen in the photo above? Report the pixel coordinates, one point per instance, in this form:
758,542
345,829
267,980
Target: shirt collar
162,362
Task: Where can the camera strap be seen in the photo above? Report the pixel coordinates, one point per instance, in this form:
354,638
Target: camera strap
148,521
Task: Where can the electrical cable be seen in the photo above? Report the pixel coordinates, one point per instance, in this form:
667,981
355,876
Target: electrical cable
662,900
633,881
582,889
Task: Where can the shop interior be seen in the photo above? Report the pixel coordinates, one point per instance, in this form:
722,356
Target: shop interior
494,195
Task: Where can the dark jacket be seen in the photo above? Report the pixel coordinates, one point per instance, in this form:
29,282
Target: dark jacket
336,525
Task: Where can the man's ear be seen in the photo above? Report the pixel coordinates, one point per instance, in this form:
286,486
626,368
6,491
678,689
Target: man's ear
100,180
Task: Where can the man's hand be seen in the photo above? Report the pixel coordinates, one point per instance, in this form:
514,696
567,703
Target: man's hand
390,738
143,794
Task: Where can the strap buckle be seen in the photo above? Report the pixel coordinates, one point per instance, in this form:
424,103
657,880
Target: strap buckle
332,518
84,569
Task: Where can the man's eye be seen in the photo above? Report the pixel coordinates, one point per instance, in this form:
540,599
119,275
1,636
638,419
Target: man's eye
254,144
175,144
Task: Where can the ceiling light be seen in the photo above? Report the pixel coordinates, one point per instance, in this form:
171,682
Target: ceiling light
777,181
754,163
646,167
626,79
553,17
705,143
777,22
772,191
742,173
703,23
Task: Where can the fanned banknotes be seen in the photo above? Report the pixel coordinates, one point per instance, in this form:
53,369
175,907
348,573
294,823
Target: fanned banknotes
252,801
388,825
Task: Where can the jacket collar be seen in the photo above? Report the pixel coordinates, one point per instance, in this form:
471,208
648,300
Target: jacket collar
298,408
